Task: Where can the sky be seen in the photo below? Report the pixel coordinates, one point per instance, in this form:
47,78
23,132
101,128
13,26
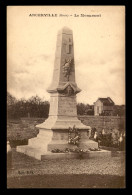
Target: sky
99,50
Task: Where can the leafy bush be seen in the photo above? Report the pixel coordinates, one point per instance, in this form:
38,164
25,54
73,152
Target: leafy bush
106,140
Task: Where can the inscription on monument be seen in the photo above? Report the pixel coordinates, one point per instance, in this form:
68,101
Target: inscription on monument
67,106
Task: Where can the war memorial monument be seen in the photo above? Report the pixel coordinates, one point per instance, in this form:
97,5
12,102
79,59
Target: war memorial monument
54,132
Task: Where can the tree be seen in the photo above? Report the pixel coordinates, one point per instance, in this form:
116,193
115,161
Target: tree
119,110
84,109
33,106
10,99
11,102
81,109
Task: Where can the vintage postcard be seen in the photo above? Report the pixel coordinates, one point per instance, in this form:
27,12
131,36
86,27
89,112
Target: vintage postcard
66,97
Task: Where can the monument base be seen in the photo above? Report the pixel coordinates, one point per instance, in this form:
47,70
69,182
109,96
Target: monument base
40,155
48,140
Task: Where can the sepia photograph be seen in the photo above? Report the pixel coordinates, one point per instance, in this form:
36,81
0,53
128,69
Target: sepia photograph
66,97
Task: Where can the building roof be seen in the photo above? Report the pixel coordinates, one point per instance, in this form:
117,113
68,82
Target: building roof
106,101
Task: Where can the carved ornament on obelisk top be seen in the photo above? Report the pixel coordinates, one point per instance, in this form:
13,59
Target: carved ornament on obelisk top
68,45
64,68
67,67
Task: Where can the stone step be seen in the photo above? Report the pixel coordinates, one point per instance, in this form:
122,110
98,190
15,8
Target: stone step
41,155
30,151
89,155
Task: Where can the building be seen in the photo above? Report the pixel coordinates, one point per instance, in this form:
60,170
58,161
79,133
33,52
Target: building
103,106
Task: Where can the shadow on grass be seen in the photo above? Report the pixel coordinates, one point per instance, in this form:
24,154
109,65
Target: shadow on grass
66,181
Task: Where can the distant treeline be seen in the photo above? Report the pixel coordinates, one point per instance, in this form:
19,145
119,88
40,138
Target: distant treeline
36,107
33,107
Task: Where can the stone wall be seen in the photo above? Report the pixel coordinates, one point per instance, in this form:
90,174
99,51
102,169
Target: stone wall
103,122
98,122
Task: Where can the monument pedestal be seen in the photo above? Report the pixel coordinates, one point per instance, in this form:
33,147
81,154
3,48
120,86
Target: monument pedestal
53,134
48,140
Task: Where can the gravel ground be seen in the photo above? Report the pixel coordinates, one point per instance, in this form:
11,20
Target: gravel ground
24,165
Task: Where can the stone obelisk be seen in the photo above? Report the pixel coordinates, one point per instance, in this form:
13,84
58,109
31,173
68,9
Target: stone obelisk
53,133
